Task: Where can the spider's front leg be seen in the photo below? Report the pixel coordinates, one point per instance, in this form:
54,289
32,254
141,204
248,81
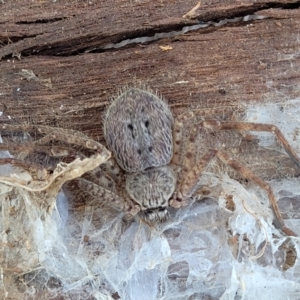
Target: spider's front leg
67,136
38,170
246,126
191,181
106,197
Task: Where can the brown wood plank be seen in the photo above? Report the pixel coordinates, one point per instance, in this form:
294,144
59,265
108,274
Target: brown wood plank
215,65
69,27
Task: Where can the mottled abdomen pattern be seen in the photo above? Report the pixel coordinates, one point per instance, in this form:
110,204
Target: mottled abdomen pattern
138,130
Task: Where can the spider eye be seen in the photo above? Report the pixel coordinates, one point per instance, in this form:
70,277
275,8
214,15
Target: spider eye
130,127
147,123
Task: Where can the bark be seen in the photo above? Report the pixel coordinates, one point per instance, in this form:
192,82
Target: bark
70,77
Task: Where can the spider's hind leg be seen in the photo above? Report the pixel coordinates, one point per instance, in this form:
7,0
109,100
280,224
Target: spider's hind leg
178,137
193,180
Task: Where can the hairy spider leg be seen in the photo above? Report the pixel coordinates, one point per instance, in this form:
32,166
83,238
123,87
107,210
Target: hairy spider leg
53,133
192,179
106,197
178,137
245,126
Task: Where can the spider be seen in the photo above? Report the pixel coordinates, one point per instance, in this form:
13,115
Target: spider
146,143
147,148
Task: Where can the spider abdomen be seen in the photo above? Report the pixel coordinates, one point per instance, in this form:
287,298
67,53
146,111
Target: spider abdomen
138,130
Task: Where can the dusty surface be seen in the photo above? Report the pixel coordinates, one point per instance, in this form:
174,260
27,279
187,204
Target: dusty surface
55,69
62,85
243,61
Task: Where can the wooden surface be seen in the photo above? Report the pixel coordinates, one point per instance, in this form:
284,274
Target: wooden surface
224,66
241,61
55,70
244,61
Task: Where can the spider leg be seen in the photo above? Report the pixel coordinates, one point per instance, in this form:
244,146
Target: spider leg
113,170
99,177
192,182
106,197
107,175
180,123
52,133
247,173
184,164
178,137
243,126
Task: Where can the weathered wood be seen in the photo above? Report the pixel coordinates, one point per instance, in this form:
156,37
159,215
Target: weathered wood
216,65
62,28
222,66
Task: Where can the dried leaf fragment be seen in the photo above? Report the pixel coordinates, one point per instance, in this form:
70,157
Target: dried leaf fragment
166,48
191,13
28,74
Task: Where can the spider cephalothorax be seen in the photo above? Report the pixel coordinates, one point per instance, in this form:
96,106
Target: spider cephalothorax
152,189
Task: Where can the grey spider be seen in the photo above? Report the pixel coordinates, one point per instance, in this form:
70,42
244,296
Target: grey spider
147,145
